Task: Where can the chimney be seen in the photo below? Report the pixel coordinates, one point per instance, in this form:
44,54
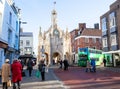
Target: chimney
82,25
96,26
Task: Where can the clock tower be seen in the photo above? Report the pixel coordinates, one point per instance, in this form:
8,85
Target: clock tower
55,41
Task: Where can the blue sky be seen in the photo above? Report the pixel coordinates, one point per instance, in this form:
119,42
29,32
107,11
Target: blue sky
69,13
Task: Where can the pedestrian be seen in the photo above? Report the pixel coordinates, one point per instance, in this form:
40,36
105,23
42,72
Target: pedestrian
41,68
65,64
30,66
16,69
93,63
61,62
104,61
88,66
5,73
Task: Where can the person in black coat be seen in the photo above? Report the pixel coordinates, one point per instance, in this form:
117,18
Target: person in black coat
65,64
41,68
30,66
104,61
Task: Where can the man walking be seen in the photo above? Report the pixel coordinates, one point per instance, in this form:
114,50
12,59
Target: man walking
5,72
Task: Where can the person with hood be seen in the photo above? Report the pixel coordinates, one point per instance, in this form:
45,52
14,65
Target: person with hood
5,73
16,69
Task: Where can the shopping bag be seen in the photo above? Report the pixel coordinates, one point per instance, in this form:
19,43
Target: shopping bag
38,74
46,69
9,83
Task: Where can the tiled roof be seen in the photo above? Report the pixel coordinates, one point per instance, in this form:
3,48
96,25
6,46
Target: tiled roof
91,32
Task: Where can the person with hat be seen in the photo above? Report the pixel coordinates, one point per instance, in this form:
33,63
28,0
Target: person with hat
16,69
5,73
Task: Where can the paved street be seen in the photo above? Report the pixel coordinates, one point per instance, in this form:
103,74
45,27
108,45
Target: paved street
32,82
74,78
77,78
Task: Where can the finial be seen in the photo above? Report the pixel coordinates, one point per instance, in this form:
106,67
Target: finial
54,4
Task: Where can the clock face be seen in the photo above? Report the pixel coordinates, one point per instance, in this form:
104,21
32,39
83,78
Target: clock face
56,32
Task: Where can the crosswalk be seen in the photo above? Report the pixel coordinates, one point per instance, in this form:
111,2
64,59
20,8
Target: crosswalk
55,84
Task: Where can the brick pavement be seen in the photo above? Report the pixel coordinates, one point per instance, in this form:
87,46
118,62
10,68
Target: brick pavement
77,78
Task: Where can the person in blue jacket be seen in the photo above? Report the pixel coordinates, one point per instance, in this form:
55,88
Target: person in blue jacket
93,63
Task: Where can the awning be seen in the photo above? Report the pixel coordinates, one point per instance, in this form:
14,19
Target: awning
110,52
3,44
25,56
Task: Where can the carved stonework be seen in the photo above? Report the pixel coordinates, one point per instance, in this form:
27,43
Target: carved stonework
55,42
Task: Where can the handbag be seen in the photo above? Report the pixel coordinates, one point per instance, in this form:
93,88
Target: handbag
37,74
9,84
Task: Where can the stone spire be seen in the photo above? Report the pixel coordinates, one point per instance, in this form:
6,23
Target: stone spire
54,17
40,32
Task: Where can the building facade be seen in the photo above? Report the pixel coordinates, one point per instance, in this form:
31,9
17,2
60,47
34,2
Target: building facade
54,44
26,43
110,24
9,30
73,34
86,37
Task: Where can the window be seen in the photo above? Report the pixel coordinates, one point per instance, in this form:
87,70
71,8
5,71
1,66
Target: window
21,42
104,24
100,40
112,20
9,36
16,26
86,40
21,51
27,43
10,18
104,42
113,40
94,40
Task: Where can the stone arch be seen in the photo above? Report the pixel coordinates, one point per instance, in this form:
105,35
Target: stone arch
56,56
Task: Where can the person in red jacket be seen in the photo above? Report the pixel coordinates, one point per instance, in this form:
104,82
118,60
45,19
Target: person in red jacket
16,69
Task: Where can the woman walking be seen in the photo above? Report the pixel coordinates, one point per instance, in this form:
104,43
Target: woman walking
16,69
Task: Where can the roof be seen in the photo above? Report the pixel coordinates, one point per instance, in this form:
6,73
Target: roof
91,32
26,34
